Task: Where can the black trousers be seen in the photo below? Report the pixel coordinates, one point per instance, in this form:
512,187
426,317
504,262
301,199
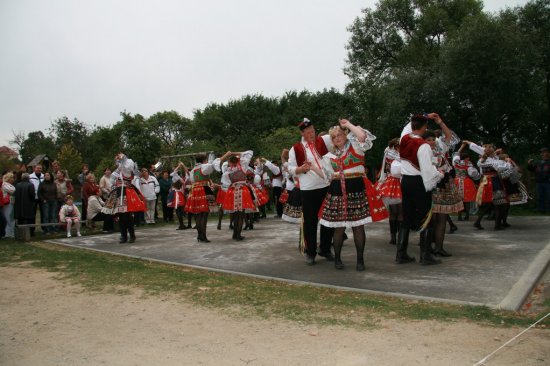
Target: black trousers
311,203
417,203
126,223
278,205
108,221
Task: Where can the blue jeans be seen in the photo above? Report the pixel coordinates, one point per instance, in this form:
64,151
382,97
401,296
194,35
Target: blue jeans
49,213
543,197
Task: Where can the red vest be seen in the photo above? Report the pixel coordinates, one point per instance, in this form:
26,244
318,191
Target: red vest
408,149
300,151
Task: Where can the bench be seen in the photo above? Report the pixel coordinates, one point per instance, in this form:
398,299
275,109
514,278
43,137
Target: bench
23,231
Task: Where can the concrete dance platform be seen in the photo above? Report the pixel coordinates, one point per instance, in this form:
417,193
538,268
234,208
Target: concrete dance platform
493,268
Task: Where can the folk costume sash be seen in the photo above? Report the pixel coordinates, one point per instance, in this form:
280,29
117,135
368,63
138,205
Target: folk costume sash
318,149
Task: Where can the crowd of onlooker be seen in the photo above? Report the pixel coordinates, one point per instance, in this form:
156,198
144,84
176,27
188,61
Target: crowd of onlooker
51,193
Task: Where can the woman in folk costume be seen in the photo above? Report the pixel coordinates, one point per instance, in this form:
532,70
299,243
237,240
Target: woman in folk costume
389,187
125,198
445,196
201,197
346,203
491,191
238,198
176,196
515,190
292,209
466,173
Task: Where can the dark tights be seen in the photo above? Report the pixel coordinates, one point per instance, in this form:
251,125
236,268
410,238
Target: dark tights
201,219
238,221
501,213
358,238
439,223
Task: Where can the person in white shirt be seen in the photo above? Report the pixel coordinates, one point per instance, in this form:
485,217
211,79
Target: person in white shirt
149,187
37,177
304,162
419,178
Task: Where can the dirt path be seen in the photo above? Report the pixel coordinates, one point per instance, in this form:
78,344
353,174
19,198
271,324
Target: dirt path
44,321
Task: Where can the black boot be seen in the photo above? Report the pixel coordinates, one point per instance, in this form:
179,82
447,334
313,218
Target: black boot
402,244
180,220
426,257
393,232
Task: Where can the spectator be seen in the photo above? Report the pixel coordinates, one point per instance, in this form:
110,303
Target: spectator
95,205
47,194
165,182
70,215
24,211
22,169
82,180
2,217
88,188
64,188
149,187
542,178
56,167
105,184
8,190
36,178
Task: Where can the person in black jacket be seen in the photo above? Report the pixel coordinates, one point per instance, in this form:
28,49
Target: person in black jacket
24,202
542,177
47,194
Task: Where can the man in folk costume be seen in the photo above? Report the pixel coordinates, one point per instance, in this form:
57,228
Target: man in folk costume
277,188
125,198
305,163
419,178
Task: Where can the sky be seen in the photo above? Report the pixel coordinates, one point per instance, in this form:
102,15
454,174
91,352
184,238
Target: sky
92,60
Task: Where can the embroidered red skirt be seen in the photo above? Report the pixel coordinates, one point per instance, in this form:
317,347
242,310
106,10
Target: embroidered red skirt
175,199
238,198
132,201
466,188
220,196
200,199
390,190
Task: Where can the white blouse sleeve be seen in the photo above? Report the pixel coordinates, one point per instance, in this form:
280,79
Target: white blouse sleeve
477,149
361,146
430,175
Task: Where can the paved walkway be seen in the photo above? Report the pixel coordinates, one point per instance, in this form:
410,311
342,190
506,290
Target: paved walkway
493,268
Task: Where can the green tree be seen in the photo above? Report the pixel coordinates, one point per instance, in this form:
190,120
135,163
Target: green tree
138,140
70,159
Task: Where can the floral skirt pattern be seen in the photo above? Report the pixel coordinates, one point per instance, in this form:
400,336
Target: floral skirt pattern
349,211
292,210
390,190
239,198
132,201
445,197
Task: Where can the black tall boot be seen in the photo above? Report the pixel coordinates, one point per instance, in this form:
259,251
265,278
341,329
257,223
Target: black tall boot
393,232
426,257
337,254
360,249
180,220
402,243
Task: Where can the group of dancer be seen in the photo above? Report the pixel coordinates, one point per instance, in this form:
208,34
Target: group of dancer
421,182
